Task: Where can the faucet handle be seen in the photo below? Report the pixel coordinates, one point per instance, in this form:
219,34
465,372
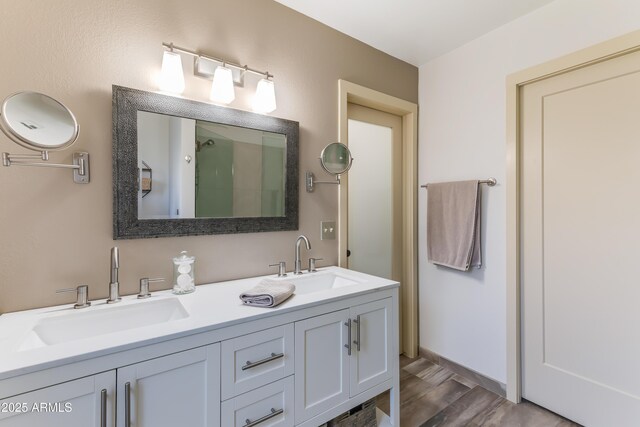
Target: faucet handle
282,268
312,264
144,286
82,295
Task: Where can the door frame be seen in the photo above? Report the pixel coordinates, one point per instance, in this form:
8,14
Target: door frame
591,55
352,93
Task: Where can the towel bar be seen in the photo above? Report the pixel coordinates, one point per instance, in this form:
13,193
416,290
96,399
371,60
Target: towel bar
490,182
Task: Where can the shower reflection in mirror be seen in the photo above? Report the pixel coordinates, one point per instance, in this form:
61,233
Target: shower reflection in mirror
237,172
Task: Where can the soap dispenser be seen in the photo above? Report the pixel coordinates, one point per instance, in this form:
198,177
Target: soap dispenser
183,274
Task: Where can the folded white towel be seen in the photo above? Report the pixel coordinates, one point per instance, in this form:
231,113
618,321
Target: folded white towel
268,293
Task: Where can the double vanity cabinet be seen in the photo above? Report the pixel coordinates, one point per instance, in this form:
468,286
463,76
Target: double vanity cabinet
331,347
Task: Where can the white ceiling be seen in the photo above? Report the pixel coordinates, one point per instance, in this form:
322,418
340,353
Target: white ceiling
415,31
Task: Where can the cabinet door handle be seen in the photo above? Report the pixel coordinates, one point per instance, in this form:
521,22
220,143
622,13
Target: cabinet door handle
273,356
274,413
357,341
127,405
103,408
348,345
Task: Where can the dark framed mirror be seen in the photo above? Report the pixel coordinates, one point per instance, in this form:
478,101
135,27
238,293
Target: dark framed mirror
182,167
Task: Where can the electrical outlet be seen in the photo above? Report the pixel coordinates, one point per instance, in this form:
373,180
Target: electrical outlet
328,230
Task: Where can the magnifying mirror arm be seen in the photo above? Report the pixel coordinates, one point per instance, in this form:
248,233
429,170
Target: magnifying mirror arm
311,182
80,164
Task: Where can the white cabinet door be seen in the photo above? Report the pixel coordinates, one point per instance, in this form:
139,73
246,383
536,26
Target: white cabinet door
322,364
181,389
371,358
86,402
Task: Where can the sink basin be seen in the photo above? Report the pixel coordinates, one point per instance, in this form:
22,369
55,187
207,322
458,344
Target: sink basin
321,281
101,321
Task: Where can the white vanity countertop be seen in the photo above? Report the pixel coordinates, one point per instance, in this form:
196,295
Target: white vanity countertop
210,307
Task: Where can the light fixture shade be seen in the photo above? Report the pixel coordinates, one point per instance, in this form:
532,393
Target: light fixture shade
222,87
171,77
265,99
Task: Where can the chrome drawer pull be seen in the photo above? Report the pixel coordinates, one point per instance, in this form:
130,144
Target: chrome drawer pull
103,408
357,340
348,345
274,413
127,405
273,356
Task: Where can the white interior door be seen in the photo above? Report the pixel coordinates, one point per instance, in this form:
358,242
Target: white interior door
182,167
375,192
580,219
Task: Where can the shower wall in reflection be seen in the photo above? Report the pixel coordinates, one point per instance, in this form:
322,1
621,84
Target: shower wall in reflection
192,168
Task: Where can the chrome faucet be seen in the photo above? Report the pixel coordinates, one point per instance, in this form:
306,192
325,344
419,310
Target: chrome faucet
114,285
298,268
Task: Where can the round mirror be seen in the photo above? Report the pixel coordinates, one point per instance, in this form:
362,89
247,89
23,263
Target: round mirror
38,122
336,158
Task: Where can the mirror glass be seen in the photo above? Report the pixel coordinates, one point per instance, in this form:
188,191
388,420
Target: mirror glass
191,168
186,168
336,158
38,122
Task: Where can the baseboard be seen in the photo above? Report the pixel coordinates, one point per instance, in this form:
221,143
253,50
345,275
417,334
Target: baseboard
490,384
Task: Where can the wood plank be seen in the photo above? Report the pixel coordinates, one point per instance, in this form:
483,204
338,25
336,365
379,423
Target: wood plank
421,409
464,380
432,374
523,414
404,360
432,395
463,410
417,366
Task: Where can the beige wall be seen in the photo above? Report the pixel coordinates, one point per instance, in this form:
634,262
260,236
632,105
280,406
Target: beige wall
56,234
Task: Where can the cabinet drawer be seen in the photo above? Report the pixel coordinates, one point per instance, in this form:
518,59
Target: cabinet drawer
253,360
267,406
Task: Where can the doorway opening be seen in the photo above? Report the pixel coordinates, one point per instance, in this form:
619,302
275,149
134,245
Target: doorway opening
401,227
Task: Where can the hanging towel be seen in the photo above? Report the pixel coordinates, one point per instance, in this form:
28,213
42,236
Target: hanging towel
453,224
268,293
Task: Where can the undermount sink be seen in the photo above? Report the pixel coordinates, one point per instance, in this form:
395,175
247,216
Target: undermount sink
101,321
320,281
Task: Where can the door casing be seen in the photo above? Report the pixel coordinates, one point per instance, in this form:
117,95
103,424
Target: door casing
352,93
598,53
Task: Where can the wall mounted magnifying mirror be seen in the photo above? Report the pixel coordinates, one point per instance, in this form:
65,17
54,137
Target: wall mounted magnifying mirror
40,123
183,168
336,159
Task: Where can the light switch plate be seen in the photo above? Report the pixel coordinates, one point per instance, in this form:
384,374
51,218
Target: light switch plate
328,230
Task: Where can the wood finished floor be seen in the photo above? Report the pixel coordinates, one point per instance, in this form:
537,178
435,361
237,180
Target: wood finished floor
431,396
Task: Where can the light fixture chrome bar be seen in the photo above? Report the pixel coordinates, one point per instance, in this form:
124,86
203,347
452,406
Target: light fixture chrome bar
245,68
80,164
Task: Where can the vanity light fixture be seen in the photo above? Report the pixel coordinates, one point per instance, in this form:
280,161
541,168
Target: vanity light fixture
222,86
265,99
171,76
224,75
